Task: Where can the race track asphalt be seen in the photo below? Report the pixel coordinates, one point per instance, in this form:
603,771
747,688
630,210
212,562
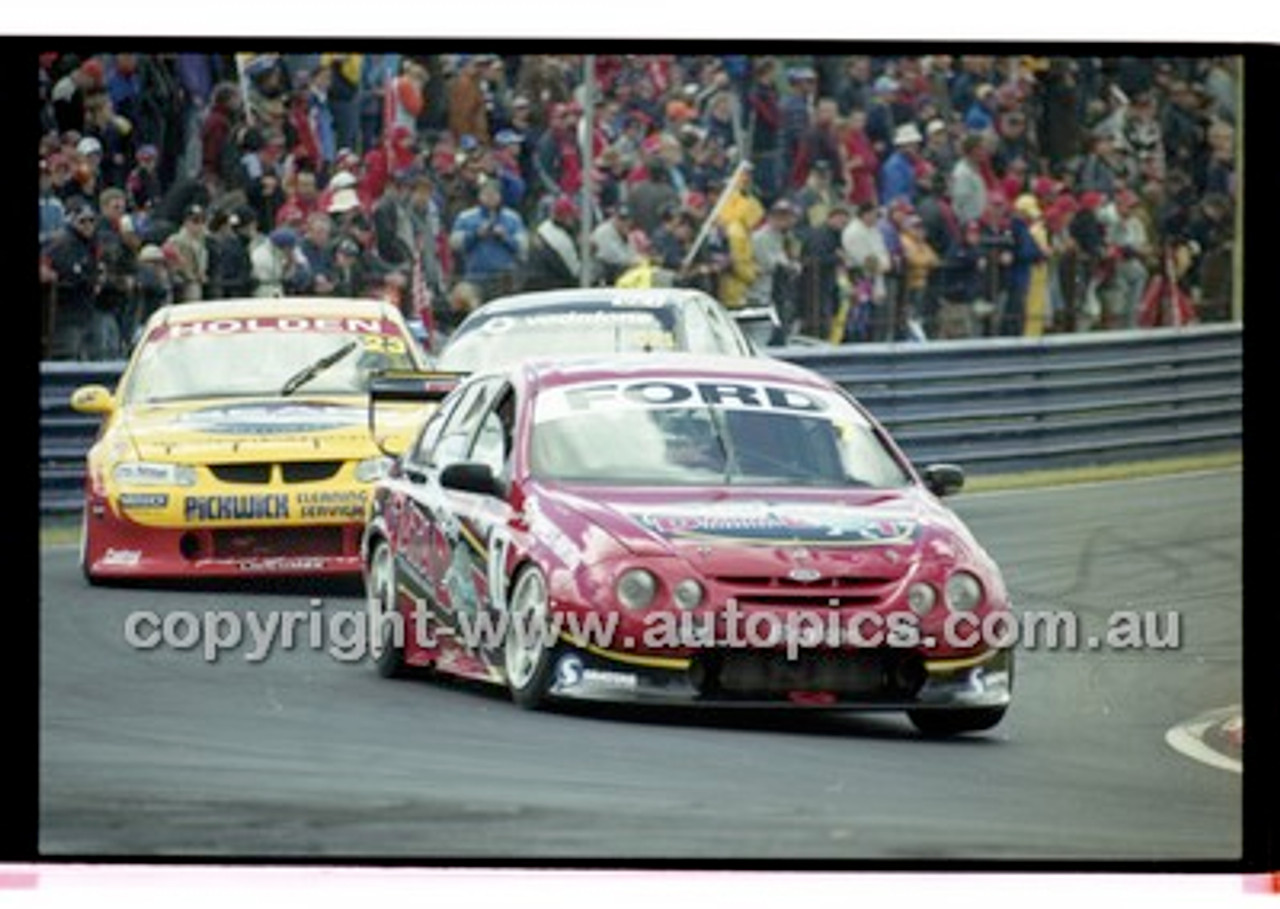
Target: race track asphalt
159,753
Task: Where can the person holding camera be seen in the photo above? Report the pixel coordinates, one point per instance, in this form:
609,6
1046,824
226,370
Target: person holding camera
490,240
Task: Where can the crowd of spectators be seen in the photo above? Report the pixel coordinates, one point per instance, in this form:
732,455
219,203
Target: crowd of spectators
865,197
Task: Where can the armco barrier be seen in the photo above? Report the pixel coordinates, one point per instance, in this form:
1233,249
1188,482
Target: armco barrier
991,405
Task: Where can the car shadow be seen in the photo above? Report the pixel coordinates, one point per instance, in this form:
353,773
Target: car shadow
884,725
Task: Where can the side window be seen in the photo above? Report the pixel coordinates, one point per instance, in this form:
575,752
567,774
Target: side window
494,442
455,433
725,332
697,333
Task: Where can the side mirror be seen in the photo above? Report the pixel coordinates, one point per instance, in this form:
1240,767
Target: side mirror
93,399
943,479
469,476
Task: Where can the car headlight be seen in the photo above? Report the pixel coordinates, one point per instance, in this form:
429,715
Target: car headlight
964,591
688,594
921,597
372,469
152,473
636,588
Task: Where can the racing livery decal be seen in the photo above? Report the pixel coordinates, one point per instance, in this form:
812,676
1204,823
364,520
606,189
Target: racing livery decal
764,522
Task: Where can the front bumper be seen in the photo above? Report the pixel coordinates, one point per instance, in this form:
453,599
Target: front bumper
117,546
851,680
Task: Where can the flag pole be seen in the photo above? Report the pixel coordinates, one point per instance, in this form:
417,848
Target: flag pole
587,144
730,188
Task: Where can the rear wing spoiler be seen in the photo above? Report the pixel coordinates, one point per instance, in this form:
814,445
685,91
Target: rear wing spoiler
404,387
429,387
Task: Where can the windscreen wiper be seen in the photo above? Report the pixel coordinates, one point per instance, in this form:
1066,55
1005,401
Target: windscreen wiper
309,372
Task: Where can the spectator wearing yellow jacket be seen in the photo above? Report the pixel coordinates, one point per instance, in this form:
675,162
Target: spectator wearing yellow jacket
738,218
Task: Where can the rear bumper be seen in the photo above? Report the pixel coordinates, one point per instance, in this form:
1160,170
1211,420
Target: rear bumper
114,546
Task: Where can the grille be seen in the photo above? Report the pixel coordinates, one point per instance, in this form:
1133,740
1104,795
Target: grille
866,674
828,593
309,471
242,473
277,541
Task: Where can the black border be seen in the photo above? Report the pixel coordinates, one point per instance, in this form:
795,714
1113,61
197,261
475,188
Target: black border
19,815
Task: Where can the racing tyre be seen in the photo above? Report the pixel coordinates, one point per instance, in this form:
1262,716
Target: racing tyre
954,722
89,576
527,657
386,635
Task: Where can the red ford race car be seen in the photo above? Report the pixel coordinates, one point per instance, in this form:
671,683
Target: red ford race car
666,529
237,440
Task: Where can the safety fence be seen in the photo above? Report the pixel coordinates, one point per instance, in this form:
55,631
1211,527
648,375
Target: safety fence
991,405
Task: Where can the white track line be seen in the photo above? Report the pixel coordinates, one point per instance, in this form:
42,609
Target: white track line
1188,739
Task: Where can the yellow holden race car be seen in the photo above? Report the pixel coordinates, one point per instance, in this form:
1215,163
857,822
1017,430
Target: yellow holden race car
238,439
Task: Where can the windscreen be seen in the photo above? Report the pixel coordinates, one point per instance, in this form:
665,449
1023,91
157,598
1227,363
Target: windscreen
707,433
503,339
262,356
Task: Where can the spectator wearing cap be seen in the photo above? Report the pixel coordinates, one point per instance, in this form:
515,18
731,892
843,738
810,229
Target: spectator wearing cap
777,263
1027,310
234,260
87,170
143,185
898,173
980,116
939,149
73,256
920,261
68,93
155,286
384,159
191,255
1089,241
859,159
1130,248
612,246
491,243
467,114
820,142
279,267
966,186
553,249
504,166
822,263
339,195
350,274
